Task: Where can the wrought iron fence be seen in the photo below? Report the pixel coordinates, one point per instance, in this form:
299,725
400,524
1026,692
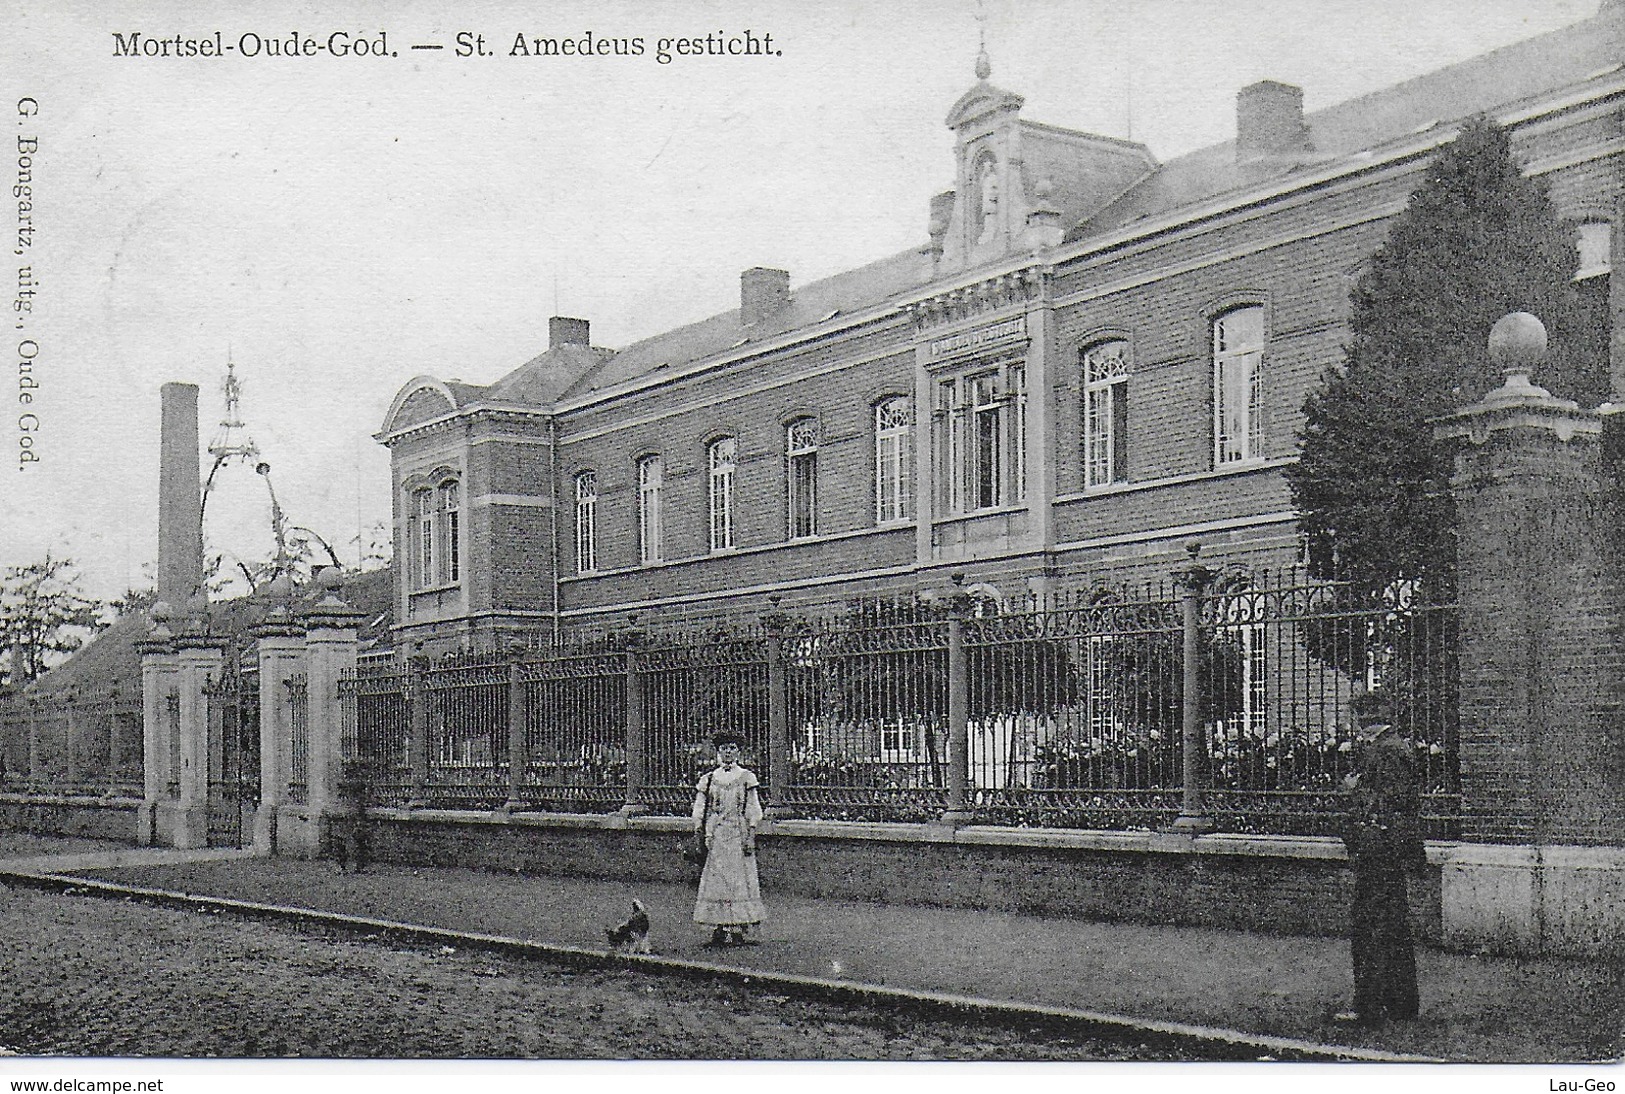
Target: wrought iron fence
376,712
233,751
1281,663
296,693
466,698
1075,712
574,731
72,745
868,716
1071,712
691,691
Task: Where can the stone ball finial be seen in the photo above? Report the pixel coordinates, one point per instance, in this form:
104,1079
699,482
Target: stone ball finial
198,604
280,588
161,613
1518,342
332,580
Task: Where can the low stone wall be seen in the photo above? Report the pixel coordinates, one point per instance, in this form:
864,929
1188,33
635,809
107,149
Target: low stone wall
90,818
1273,885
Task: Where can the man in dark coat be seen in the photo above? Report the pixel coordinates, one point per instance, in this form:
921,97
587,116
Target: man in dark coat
1384,842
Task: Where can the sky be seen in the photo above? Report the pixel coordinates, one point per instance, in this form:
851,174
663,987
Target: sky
338,225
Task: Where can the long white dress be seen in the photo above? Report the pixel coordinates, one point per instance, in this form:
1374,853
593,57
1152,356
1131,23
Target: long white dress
730,893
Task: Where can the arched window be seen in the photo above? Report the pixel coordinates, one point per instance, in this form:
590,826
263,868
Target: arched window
586,522
1105,413
651,477
1238,388
720,458
894,459
801,476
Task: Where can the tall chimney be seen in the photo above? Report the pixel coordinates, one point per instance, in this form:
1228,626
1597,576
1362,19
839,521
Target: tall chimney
1269,121
563,331
761,293
180,499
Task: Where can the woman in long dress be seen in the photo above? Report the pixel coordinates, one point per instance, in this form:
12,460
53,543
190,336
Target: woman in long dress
728,806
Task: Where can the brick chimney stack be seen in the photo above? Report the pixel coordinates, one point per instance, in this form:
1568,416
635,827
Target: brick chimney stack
180,499
1269,121
563,331
761,293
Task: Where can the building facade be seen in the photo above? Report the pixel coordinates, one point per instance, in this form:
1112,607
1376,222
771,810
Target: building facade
1092,359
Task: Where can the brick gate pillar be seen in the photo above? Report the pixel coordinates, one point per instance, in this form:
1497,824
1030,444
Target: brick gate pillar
158,683
330,651
1540,802
280,651
199,659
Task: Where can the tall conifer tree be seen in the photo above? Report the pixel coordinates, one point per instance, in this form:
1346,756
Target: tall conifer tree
1476,241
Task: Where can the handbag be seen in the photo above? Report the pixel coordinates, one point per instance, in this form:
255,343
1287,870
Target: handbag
694,849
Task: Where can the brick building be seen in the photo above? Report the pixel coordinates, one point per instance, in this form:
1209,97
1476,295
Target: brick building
1092,358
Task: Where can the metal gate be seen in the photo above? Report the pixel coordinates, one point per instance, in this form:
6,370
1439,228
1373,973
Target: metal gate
234,754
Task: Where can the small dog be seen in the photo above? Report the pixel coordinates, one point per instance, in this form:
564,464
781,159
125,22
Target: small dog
633,935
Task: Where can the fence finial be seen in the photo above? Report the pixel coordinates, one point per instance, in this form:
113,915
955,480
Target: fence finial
1196,576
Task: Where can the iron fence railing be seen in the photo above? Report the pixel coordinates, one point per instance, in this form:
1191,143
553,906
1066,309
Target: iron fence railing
1226,695
574,731
296,694
72,745
690,692
467,703
867,717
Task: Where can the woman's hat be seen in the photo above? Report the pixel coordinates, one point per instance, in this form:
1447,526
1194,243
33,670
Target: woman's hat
727,737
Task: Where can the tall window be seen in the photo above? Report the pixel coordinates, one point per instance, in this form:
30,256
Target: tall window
434,536
801,468
720,457
586,522
894,458
1238,356
449,541
1105,414
982,423
651,476
423,537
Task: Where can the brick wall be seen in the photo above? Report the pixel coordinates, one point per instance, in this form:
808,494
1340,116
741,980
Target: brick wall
1281,893
90,818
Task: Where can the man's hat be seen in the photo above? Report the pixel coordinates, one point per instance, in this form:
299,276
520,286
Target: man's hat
727,737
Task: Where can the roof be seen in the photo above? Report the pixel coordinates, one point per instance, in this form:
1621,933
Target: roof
110,660
542,379
1500,78
810,304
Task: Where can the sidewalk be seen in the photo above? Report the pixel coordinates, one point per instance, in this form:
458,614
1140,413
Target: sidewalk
1474,1008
